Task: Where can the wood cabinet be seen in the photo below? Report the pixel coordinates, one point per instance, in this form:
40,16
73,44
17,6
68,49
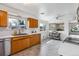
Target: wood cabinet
34,39
38,37
32,23
20,43
3,18
15,46
25,43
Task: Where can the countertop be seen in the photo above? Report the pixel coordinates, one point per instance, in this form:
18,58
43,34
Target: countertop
74,36
11,36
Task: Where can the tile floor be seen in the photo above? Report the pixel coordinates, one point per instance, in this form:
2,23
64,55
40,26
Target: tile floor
46,48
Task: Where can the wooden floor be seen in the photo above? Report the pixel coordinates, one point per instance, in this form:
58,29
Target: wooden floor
33,51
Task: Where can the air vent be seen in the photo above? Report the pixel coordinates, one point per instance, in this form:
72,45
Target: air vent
42,13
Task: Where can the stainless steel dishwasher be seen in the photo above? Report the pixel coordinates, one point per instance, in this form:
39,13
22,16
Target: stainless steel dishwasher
2,47
5,46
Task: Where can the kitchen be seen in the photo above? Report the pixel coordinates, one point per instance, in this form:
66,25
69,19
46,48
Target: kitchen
30,25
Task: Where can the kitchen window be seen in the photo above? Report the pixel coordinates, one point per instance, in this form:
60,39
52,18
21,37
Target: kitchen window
74,28
15,22
42,27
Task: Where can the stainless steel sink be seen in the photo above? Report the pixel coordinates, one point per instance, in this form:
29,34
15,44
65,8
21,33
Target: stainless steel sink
22,34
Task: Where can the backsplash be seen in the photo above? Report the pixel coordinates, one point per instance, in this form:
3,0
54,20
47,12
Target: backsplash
5,31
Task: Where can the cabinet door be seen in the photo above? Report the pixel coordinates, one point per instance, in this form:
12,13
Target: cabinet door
33,23
24,43
35,39
38,39
19,44
3,19
32,41
36,23
15,47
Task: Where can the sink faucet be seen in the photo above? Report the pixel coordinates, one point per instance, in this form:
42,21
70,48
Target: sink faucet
19,31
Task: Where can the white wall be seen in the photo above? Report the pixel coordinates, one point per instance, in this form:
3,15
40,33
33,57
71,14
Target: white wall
65,33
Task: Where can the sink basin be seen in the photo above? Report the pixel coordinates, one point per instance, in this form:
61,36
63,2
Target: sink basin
22,34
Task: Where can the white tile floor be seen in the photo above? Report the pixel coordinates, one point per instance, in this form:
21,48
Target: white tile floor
49,48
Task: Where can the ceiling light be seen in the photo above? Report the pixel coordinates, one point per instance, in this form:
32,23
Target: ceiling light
42,13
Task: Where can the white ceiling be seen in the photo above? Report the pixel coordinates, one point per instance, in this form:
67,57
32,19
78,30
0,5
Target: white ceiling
60,8
66,10
50,10
24,8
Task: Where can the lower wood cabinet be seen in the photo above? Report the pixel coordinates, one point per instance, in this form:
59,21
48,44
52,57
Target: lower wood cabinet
15,46
20,43
34,39
25,43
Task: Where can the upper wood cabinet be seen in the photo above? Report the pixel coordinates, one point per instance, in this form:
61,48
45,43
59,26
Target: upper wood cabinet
3,18
33,23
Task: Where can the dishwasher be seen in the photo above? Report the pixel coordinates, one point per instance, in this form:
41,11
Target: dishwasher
5,45
2,52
